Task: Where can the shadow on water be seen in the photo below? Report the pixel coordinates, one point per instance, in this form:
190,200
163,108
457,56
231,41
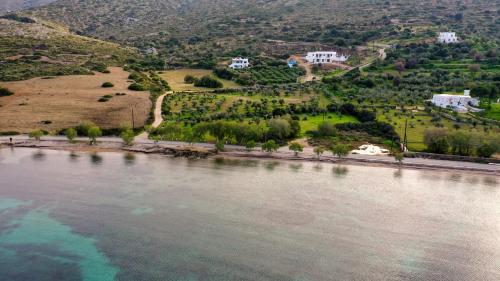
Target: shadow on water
455,177
271,165
73,156
318,167
295,167
491,182
398,173
38,155
129,159
96,159
340,171
219,162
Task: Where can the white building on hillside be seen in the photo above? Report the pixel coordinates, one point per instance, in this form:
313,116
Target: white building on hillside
447,38
459,103
239,63
325,57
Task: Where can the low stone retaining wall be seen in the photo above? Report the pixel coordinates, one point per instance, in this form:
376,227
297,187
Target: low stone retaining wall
451,157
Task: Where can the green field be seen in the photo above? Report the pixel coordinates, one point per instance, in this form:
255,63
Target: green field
312,122
493,112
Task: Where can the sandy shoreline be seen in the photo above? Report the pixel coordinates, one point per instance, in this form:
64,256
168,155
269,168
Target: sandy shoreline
195,151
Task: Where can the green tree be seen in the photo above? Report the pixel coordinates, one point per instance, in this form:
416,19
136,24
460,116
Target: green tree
250,145
340,150
399,157
128,136
296,148
270,146
279,129
37,135
93,133
319,150
436,140
71,134
462,143
327,129
219,146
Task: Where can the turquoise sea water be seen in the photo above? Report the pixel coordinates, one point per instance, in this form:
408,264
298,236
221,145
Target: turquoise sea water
114,216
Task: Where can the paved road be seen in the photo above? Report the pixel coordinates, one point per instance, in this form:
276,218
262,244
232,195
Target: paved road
284,153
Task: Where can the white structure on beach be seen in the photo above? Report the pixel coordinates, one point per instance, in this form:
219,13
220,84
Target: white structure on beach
325,57
459,103
239,63
447,38
370,149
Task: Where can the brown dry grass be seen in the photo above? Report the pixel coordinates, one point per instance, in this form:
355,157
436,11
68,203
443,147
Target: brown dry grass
69,100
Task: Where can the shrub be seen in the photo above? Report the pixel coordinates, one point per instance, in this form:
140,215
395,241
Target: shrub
5,92
436,140
327,129
249,145
71,134
37,134
189,79
270,146
107,85
93,133
340,150
296,148
224,73
208,82
128,136
137,87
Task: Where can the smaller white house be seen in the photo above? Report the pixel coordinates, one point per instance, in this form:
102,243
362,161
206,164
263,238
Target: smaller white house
325,57
239,63
459,103
447,38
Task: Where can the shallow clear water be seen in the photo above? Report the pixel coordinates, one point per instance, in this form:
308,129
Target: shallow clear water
117,216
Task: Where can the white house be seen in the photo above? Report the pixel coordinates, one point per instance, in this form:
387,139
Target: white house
325,57
447,38
239,63
459,103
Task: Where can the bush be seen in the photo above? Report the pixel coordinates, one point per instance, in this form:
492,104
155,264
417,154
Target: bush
37,134
5,92
224,73
208,82
486,150
436,140
327,129
107,85
296,148
71,134
128,136
189,79
137,87
270,146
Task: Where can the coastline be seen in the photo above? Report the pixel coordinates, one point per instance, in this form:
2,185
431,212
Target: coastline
204,150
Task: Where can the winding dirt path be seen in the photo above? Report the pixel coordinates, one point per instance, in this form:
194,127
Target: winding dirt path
158,117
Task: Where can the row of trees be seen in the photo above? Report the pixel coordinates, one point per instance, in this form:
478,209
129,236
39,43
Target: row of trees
89,130
276,129
464,143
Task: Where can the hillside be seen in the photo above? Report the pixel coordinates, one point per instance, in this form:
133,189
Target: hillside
15,5
180,29
32,47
